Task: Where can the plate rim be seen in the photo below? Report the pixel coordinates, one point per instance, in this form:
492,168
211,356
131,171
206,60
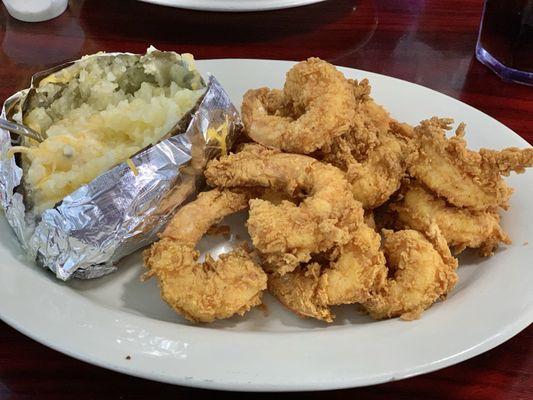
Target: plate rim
235,6
502,337
508,332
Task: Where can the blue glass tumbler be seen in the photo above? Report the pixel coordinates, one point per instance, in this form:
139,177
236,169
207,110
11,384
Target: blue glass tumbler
505,41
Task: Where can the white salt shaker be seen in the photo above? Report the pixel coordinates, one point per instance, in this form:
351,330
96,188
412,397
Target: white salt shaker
35,10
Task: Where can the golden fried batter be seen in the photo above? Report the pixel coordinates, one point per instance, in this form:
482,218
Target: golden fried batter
297,291
215,289
193,220
316,105
356,270
374,153
212,290
288,234
306,214
461,227
421,271
463,177
379,174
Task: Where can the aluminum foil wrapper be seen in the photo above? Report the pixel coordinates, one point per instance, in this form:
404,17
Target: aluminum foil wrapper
123,209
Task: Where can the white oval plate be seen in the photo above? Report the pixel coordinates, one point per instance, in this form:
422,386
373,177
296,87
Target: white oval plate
233,5
106,320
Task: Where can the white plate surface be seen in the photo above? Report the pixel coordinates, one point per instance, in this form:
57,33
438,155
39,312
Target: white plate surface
105,320
233,5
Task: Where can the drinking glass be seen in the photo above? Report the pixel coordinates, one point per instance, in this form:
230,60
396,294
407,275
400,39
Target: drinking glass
505,42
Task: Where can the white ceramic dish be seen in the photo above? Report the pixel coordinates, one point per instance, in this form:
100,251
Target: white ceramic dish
233,5
105,320
35,10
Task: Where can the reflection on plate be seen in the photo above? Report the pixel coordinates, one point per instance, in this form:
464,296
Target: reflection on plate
233,5
120,323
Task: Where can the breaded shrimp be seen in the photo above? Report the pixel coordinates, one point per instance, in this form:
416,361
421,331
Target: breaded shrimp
421,271
374,153
288,234
461,227
375,176
297,291
215,289
351,275
316,105
463,177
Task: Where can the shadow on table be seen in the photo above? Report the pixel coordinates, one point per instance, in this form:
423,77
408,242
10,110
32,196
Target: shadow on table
155,24
330,30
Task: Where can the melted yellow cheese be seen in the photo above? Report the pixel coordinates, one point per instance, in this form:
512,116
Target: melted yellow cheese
220,135
132,167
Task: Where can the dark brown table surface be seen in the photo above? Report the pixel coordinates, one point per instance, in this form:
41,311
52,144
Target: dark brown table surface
429,42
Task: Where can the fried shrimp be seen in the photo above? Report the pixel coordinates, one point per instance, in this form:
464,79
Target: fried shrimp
216,289
297,291
316,105
370,119
374,153
461,227
375,176
355,271
288,234
463,177
421,271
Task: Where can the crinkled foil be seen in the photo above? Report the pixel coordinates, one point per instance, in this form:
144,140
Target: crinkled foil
122,210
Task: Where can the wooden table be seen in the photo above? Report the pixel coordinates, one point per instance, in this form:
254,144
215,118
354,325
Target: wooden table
427,42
